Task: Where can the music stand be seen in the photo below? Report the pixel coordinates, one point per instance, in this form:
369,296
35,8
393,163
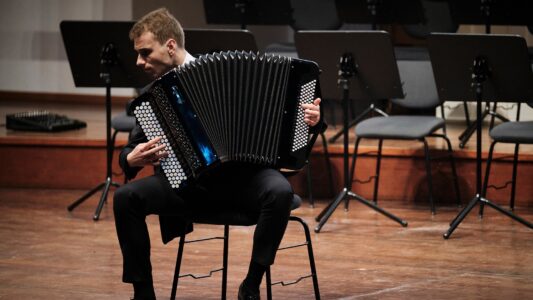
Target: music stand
369,58
481,68
245,12
488,13
380,11
100,54
377,12
204,41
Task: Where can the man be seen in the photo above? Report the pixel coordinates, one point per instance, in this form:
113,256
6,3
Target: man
159,41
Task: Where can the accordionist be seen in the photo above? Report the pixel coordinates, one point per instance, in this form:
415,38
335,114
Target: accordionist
159,41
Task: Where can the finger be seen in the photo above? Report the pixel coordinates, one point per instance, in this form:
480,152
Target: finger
311,113
317,101
309,106
154,150
162,154
310,122
153,142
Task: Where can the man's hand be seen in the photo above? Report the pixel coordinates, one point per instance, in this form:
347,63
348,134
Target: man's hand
149,153
312,112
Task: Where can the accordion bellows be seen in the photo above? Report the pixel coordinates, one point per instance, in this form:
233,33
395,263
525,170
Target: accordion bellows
230,106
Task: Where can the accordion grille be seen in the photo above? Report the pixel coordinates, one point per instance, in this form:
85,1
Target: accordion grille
239,97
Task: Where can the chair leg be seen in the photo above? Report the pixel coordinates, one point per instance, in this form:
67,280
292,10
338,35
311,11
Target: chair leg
442,116
454,170
310,254
429,179
378,171
328,162
309,185
225,263
515,166
268,283
177,269
486,181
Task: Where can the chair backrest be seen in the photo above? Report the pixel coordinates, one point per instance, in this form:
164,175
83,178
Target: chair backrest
418,85
438,18
314,15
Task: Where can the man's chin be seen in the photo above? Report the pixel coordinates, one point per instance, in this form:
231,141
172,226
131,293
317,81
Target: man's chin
151,73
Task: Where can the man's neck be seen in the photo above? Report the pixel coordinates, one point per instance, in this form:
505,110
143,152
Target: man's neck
180,57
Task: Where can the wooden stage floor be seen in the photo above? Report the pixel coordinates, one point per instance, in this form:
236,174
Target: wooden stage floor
49,253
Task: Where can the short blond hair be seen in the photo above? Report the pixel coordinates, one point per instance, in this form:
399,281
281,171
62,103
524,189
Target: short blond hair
162,24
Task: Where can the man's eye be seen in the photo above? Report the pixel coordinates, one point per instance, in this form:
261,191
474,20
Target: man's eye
144,53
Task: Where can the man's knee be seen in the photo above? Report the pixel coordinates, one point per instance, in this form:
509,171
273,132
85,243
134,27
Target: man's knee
281,192
122,199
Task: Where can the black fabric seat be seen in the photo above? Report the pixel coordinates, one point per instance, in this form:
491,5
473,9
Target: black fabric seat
513,132
518,132
242,218
123,123
399,127
421,95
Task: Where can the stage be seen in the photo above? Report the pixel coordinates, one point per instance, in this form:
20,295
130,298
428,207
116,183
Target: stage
76,159
49,253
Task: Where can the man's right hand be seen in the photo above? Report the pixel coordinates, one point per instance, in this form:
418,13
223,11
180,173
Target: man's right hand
149,153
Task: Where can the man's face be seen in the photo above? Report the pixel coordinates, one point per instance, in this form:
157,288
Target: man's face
152,57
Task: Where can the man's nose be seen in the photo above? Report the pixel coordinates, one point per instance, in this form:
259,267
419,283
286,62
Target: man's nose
140,61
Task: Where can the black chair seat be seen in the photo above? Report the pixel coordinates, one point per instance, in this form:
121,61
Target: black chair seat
239,218
513,132
398,127
123,122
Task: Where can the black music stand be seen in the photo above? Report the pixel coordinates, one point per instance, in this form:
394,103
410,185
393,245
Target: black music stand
481,68
246,12
380,11
204,41
377,12
101,55
367,56
488,13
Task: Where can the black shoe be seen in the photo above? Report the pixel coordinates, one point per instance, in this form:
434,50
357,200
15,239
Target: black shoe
246,294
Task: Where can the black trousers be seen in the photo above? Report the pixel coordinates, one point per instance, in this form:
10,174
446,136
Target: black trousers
265,191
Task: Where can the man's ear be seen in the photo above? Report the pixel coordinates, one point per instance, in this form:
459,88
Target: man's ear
172,47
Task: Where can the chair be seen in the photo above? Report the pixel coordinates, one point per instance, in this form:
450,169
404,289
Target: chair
421,94
518,132
123,122
231,218
438,18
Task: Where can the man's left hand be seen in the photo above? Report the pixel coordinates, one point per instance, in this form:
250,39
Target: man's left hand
312,112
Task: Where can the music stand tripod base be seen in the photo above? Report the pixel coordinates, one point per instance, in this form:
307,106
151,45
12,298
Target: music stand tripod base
347,69
476,71
105,186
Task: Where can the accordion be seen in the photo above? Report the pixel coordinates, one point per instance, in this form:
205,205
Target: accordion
230,106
